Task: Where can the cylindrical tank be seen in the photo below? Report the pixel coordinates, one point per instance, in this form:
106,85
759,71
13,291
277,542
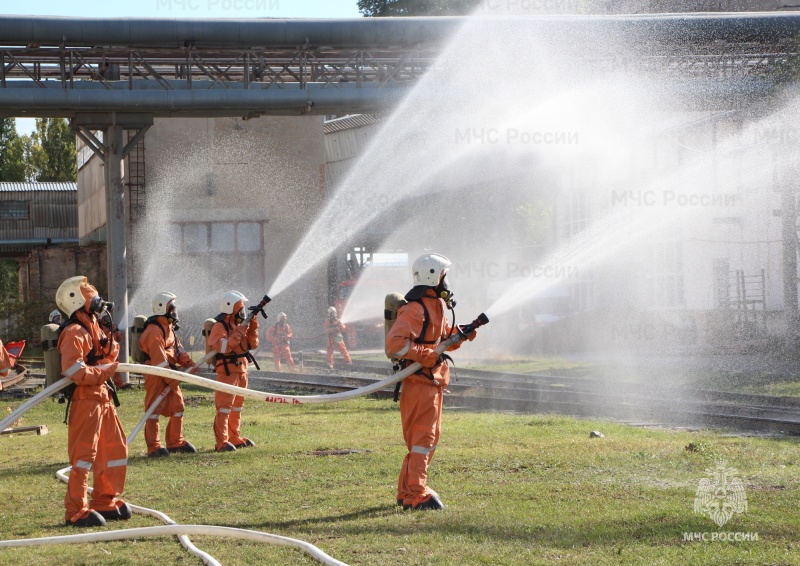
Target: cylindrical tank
136,332
209,322
52,357
391,305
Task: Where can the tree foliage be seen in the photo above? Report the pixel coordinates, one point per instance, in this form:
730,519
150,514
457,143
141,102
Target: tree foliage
52,155
383,8
13,163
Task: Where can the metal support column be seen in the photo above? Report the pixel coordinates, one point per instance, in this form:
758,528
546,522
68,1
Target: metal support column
116,237
789,221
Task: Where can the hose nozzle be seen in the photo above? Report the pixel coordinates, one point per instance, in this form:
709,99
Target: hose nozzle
468,329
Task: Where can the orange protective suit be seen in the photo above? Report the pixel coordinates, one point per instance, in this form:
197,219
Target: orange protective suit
334,329
119,383
233,343
280,335
6,362
163,349
96,440
421,398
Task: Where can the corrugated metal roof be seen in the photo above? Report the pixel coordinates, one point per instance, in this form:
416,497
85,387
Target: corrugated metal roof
350,122
33,186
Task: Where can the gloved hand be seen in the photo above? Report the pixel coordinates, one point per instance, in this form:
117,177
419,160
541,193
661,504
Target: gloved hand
253,324
429,358
472,336
109,372
192,369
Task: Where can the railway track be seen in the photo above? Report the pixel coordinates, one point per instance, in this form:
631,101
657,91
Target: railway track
580,396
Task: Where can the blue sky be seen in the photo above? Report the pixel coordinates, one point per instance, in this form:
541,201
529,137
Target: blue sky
180,9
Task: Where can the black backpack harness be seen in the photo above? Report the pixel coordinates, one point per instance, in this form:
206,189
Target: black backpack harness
232,358
91,360
152,321
403,363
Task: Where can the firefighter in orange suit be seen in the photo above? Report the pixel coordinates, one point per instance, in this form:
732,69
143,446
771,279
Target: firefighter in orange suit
420,326
233,340
6,363
334,329
96,440
163,349
280,334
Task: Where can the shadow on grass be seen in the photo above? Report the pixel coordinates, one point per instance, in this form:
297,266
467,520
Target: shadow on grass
652,529
372,512
33,470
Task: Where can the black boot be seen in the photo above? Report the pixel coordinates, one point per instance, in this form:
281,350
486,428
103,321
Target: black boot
227,447
185,449
434,503
94,519
121,513
246,444
161,452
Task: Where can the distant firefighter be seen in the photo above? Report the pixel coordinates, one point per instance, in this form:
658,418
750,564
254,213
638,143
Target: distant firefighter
334,329
161,347
95,439
233,340
55,317
280,334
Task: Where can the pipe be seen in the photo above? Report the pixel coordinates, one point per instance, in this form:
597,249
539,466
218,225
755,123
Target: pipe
382,32
216,102
39,241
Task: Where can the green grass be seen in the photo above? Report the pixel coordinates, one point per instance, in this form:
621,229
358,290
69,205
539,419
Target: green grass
520,490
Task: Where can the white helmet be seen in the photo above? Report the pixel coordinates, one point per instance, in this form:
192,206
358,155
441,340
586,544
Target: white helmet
332,311
229,300
428,269
282,316
55,317
69,297
161,301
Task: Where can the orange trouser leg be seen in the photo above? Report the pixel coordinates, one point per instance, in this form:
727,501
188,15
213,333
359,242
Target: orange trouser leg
343,349
276,357
96,442
330,355
421,415
235,422
111,465
225,420
153,387
286,354
82,439
174,409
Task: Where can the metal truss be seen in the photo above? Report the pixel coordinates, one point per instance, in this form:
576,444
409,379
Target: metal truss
192,68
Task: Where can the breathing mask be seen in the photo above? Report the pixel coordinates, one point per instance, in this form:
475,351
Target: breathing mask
444,292
239,317
172,317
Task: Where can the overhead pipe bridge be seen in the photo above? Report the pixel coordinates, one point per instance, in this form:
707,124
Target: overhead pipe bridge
118,74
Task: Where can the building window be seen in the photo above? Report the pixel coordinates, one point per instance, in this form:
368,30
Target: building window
198,238
14,209
222,237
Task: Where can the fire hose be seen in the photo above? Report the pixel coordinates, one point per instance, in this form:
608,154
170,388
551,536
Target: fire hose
182,530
